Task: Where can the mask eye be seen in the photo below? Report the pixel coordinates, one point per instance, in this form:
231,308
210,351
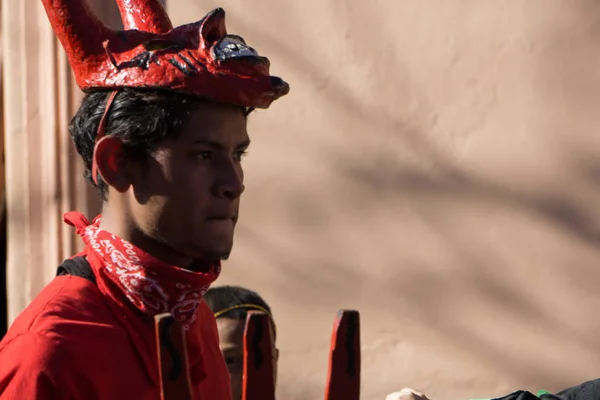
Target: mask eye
232,46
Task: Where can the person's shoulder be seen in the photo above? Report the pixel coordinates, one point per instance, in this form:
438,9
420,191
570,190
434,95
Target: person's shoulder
204,327
30,350
30,366
205,320
64,309
204,311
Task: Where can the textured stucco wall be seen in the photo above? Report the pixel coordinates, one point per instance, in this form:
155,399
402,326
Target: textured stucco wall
436,166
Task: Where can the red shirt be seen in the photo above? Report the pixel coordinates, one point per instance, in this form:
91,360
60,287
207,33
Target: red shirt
68,344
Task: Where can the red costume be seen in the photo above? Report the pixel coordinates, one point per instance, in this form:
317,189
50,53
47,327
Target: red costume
94,338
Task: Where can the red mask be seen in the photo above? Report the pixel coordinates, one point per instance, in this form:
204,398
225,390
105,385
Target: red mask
198,59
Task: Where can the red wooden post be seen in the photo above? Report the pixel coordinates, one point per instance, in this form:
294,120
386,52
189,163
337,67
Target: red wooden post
343,382
173,365
259,378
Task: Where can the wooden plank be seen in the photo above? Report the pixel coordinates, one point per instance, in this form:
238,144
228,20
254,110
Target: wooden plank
43,172
259,373
343,381
33,217
173,368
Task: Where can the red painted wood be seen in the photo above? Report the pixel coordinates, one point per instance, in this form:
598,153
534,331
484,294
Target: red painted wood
343,381
258,379
173,365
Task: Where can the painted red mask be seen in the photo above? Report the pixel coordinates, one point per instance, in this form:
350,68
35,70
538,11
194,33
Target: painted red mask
199,59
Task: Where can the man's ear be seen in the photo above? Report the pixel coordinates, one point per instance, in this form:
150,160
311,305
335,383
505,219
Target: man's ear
276,354
110,159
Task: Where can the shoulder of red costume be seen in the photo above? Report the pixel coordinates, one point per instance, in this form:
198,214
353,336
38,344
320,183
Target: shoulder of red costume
69,311
204,327
29,349
30,366
34,366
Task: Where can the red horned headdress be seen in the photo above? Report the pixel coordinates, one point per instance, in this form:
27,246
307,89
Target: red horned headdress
198,59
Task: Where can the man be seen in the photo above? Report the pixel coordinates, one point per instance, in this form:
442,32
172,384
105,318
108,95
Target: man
230,305
161,131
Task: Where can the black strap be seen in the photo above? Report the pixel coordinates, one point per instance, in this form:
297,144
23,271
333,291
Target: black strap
524,395
586,391
77,266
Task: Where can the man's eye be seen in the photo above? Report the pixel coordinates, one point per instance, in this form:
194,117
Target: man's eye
232,360
204,155
241,154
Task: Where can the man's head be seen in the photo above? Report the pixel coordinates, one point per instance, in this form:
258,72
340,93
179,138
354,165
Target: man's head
169,163
169,167
231,305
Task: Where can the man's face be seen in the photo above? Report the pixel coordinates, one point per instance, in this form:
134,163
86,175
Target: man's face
231,342
188,192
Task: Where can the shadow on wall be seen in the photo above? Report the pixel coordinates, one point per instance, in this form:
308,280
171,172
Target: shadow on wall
423,288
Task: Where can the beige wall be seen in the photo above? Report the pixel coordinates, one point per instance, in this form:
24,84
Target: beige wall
43,171
436,166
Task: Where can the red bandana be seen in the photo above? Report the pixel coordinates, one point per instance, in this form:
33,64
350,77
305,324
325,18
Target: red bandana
137,282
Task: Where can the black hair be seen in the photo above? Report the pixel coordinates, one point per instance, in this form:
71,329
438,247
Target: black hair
222,297
142,119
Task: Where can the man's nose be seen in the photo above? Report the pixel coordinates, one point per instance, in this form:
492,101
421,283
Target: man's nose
230,181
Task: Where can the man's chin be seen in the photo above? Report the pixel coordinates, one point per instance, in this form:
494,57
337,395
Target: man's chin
203,261
216,253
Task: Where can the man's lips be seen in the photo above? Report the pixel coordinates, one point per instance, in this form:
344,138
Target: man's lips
223,218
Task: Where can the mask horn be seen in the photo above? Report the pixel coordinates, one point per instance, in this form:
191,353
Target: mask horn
144,15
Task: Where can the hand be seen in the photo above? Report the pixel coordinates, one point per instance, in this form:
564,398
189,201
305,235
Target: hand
406,394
